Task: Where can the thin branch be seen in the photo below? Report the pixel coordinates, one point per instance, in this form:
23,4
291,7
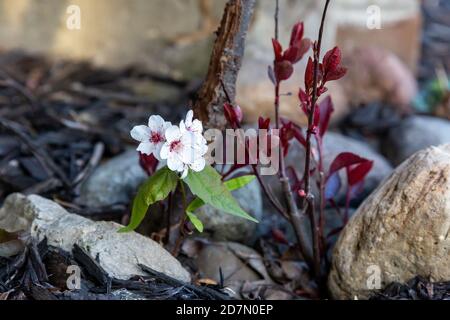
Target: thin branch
297,219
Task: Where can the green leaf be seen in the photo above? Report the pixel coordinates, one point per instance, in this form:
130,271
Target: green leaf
195,221
194,205
208,186
155,189
231,185
239,182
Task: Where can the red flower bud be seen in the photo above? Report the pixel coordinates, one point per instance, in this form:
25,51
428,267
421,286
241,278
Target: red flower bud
148,163
233,114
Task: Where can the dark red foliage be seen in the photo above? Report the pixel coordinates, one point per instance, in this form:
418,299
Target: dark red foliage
331,66
326,108
233,114
284,61
263,124
148,163
357,169
287,133
357,174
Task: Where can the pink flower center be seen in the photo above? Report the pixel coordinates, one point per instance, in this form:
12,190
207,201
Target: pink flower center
175,145
156,137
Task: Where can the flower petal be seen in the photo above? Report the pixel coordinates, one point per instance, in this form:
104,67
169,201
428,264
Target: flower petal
198,165
189,117
155,123
165,151
197,126
175,164
173,133
140,133
146,148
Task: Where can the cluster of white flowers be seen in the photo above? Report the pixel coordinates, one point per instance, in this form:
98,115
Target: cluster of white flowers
183,146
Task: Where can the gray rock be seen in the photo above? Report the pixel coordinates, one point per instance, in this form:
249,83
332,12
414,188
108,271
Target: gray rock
237,262
115,181
118,253
225,227
415,133
401,231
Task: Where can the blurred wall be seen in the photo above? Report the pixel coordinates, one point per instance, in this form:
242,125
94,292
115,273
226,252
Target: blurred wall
166,35
176,35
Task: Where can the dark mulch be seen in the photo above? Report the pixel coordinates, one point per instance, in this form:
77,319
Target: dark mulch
40,273
418,288
60,119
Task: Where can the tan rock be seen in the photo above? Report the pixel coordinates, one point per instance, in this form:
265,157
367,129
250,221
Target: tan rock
401,230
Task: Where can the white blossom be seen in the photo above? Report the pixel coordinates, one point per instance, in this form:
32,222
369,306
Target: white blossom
151,137
184,150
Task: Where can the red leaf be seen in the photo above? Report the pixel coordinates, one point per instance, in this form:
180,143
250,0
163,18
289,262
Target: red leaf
332,59
297,34
336,74
283,70
305,100
277,49
148,163
358,173
263,124
292,55
326,109
343,160
309,75
298,135
233,114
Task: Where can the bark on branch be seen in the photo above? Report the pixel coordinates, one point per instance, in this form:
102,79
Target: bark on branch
225,63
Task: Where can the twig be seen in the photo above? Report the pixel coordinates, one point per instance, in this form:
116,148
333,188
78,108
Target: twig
39,152
308,203
96,156
297,219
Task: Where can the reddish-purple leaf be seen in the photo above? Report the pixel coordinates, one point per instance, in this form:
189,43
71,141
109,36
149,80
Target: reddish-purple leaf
343,160
357,174
283,70
297,34
233,114
326,109
309,75
332,59
298,135
148,162
263,124
277,49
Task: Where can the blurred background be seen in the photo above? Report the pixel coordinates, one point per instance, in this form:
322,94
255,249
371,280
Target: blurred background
386,40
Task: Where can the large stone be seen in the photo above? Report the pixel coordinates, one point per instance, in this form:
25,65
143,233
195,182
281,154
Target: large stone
401,231
113,182
118,253
413,134
225,227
